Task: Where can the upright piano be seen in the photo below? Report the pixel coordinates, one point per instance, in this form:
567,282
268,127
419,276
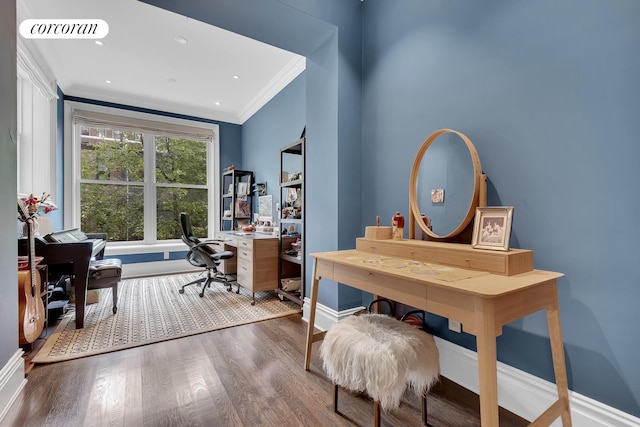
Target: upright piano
68,252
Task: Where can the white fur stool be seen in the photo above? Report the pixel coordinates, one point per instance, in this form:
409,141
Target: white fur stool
381,356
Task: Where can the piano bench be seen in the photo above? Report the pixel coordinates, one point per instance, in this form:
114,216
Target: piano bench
105,273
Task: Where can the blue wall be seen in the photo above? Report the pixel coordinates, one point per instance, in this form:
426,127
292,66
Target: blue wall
548,92
277,124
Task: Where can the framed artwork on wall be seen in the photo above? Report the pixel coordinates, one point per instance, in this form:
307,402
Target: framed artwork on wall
492,228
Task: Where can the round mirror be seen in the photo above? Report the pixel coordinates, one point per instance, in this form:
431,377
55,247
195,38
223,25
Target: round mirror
445,184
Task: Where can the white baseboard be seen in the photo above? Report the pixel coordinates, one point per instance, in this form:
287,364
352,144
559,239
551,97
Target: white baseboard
519,392
12,380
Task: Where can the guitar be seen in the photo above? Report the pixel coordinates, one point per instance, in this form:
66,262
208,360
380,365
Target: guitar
30,306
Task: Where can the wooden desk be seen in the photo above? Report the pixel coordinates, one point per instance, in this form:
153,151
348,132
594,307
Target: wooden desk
483,302
256,260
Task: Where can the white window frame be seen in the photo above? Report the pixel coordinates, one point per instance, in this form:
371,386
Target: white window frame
72,179
36,149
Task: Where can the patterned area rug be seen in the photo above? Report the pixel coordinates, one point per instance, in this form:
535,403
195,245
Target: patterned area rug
151,310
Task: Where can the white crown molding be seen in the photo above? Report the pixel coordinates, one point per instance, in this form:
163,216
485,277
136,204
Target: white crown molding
169,107
519,392
29,67
279,82
288,74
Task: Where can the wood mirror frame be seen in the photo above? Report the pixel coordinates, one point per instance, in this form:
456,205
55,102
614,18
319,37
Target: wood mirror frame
479,187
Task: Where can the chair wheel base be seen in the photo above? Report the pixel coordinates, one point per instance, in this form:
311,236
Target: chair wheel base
181,291
115,310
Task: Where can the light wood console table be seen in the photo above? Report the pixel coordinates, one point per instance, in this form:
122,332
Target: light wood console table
501,287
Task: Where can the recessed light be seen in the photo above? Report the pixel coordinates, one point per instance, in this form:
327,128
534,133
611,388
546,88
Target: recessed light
180,40
108,82
217,103
236,77
172,80
99,42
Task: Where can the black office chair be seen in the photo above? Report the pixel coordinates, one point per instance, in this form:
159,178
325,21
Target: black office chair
202,255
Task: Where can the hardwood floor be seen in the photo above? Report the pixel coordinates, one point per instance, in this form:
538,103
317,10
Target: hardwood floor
249,375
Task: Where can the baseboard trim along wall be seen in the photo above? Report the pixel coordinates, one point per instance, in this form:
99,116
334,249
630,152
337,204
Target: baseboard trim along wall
519,392
12,381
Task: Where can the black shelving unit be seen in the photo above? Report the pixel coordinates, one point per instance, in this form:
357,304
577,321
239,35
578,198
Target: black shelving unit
236,198
291,222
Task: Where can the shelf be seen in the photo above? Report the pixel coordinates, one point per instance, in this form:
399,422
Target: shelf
291,262
296,183
292,296
233,185
295,148
290,258
291,221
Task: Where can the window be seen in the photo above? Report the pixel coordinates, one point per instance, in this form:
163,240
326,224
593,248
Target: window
181,178
35,128
135,177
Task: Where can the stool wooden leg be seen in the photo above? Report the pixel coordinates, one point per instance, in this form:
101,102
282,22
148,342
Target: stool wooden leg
376,413
335,398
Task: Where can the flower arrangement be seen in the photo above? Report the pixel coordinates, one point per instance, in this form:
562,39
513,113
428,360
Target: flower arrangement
38,206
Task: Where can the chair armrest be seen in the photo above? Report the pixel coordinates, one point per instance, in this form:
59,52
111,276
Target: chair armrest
205,243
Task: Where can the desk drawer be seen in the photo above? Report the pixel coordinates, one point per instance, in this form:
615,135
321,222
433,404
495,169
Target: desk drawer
246,254
245,274
381,247
245,244
228,239
416,254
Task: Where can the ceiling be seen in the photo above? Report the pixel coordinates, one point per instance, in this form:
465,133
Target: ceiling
215,74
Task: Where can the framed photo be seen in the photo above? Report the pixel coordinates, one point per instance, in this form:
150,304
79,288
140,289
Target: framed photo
492,228
243,188
437,195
